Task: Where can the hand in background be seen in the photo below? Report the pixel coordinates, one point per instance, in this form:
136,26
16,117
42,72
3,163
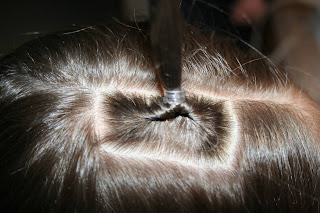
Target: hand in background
248,11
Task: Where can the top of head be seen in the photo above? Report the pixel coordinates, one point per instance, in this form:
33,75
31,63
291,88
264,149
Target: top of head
88,106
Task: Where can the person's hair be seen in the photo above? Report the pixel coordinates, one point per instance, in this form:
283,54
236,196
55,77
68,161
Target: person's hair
83,129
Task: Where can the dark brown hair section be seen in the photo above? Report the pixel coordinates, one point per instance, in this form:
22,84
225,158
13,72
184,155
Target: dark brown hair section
198,121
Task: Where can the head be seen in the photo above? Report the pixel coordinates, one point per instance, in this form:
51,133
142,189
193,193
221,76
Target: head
83,128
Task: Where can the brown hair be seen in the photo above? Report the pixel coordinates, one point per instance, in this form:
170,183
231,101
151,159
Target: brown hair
83,129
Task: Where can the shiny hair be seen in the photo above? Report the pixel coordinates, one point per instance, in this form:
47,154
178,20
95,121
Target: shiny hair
83,129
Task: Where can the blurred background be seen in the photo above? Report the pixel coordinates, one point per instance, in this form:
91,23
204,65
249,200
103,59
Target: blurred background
287,31
21,21
25,20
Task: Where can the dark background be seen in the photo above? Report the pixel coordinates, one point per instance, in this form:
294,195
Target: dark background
24,20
